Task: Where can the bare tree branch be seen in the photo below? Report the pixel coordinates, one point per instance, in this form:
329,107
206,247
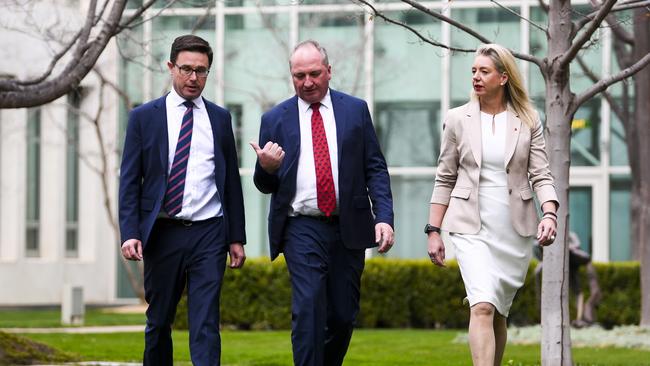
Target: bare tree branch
544,6
443,18
618,31
605,83
57,56
130,21
594,79
448,20
520,17
85,31
624,5
586,34
13,94
423,38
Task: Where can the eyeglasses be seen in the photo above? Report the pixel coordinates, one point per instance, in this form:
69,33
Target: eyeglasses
201,72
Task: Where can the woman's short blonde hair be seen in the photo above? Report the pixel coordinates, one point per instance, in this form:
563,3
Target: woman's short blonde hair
515,91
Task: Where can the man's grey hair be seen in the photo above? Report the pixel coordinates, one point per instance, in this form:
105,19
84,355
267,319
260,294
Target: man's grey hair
311,42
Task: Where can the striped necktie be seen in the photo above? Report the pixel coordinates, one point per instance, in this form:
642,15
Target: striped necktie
176,181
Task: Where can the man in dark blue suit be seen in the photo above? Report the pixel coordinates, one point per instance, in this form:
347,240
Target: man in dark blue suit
181,205
331,200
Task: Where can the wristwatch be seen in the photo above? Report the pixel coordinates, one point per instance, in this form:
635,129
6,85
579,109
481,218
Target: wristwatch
428,228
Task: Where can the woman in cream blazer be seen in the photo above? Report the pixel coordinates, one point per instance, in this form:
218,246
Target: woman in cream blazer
491,161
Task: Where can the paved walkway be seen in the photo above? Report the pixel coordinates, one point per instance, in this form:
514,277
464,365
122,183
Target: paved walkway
79,330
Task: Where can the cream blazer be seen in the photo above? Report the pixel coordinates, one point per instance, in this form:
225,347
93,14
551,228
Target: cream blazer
459,167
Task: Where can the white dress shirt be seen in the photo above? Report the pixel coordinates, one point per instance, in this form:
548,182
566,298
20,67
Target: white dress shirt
305,201
201,200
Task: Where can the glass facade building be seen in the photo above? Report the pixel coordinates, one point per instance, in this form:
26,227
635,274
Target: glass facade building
408,84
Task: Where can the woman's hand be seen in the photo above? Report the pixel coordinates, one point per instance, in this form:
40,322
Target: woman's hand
546,231
436,249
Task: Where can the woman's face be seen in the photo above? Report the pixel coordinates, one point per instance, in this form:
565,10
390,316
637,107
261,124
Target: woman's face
487,81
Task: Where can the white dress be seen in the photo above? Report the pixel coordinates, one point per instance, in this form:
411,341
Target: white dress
493,262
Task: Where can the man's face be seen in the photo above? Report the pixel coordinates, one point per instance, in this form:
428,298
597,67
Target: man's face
311,78
189,86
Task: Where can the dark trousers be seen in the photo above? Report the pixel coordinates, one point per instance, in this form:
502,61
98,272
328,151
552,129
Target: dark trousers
325,283
177,255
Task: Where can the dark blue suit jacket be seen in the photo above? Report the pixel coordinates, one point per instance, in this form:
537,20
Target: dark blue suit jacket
363,176
143,174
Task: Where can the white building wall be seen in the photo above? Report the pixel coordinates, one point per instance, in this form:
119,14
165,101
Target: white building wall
40,280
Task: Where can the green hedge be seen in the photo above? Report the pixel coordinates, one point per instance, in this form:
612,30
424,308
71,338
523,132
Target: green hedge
406,293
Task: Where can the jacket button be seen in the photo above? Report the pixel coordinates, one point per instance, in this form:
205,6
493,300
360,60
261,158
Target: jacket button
509,191
507,170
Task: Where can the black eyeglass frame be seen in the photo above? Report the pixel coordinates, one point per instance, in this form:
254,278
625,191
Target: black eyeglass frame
187,71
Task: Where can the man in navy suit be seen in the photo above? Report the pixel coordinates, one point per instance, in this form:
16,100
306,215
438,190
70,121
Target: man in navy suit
181,205
331,200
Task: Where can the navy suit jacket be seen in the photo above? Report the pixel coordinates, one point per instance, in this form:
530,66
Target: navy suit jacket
143,174
363,176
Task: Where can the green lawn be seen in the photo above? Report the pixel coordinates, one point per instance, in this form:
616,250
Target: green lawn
52,318
369,347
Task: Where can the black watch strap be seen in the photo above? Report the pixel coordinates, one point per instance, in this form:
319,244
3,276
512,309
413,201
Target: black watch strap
428,228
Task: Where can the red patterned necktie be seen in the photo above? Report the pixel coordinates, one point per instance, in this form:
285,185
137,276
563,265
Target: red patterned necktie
325,193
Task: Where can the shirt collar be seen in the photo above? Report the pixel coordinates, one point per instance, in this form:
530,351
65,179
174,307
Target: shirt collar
178,101
325,102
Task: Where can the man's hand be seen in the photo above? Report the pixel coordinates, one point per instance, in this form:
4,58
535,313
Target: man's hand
384,237
237,255
132,250
270,157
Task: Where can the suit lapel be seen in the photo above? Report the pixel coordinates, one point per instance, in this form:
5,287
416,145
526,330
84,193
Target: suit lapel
513,129
291,126
338,104
473,125
160,121
220,173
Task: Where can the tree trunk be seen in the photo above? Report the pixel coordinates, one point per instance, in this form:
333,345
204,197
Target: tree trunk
556,340
640,199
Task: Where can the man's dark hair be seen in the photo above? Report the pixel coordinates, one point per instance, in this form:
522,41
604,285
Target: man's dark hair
190,43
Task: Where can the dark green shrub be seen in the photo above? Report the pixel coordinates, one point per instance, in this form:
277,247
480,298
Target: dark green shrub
385,294
407,293
437,296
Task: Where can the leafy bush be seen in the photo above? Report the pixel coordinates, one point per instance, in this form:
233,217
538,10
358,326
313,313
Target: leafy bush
407,293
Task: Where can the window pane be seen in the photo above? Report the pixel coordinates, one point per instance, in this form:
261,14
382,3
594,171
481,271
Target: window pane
166,29
411,196
620,248
580,205
342,34
71,242
207,4
72,174
494,23
399,125
256,77
236,114
617,146
407,84
538,48
33,182
585,147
